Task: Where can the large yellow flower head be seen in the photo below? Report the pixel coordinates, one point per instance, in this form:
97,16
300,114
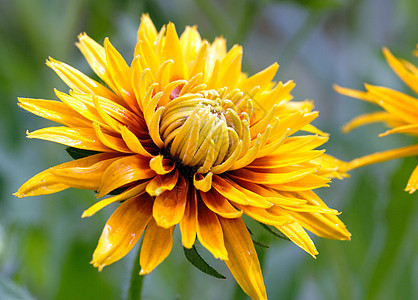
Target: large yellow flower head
400,114
186,138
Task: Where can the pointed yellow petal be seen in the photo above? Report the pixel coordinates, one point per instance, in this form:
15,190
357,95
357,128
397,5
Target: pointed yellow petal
298,235
96,57
77,81
381,157
380,116
43,183
121,74
242,258
209,232
115,143
156,246
189,221
123,230
124,171
55,111
172,50
147,29
169,206
262,79
409,78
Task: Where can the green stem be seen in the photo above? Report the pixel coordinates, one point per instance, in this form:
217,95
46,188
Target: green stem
135,285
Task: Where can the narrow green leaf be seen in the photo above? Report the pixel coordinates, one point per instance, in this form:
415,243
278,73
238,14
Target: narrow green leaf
274,231
76,153
196,260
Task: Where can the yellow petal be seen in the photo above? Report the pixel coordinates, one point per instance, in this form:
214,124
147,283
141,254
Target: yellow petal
262,79
242,258
96,57
190,42
380,116
156,246
123,230
121,74
124,171
298,235
135,190
219,205
410,79
169,206
43,183
115,143
189,221
147,29
55,111
271,178
382,156
78,81
172,50
82,138
84,173
325,224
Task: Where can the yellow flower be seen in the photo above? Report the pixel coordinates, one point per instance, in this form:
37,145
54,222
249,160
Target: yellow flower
192,141
400,114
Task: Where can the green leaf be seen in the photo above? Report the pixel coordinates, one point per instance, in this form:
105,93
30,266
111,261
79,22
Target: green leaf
76,153
274,231
196,260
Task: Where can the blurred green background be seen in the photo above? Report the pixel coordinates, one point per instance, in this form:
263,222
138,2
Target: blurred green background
45,247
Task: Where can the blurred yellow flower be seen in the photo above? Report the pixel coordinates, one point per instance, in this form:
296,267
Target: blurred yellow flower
400,114
191,140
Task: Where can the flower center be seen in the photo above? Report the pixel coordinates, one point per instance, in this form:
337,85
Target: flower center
203,130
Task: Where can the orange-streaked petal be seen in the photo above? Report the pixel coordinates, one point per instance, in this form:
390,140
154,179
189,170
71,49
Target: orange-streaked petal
113,142
189,222
209,232
169,206
84,173
135,190
69,174
271,178
124,171
161,183
242,258
219,205
82,138
123,230
156,246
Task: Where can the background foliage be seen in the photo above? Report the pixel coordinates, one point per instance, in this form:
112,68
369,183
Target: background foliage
45,246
